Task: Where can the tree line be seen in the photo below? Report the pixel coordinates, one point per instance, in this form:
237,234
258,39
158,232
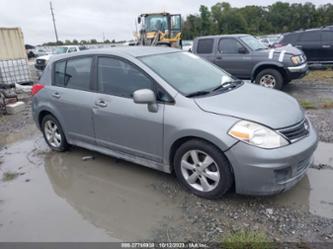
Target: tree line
279,17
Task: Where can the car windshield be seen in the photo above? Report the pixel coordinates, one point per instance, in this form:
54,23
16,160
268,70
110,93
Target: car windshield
186,72
60,50
253,43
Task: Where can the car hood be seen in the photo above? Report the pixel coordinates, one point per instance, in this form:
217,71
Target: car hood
288,49
259,104
45,57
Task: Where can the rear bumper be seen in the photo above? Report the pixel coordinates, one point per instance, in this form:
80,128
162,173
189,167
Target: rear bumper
260,171
297,72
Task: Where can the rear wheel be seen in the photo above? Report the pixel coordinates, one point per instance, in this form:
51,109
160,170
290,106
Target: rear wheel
270,78
53,133
203,169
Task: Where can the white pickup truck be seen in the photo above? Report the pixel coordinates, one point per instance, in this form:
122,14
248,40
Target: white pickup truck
42,61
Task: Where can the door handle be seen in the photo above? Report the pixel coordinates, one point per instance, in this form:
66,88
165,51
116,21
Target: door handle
56,95
326,46
218,57
101,103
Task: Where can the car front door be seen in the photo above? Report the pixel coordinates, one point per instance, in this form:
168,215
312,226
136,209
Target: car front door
327,45
70,96
233,57
309,42
120,124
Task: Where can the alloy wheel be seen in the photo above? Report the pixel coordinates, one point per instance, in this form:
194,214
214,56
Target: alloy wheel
200,170
52,133
267,80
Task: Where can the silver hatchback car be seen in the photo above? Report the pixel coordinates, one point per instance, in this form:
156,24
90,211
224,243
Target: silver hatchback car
172,111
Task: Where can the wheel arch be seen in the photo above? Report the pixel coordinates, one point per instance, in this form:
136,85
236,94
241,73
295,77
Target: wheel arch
272,65
181,140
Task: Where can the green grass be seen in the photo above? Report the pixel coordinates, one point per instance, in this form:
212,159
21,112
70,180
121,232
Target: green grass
306,104
8,176
326,75
326,104
246,239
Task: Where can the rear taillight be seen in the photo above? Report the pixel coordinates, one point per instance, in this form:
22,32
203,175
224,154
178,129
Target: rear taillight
36,88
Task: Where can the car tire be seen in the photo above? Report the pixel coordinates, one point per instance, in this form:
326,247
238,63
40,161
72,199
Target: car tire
217,174
270,78
53,134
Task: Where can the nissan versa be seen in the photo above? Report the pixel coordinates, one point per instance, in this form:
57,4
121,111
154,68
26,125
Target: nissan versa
173,111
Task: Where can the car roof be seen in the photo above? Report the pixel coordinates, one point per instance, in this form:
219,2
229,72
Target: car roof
329,28
132,51
218,36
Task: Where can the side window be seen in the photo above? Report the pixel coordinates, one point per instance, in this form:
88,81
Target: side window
59,73
120,78
327,37
71,50
308,36
78,73
229,46
205,46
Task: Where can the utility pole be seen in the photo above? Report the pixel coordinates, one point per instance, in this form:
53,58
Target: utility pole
54,25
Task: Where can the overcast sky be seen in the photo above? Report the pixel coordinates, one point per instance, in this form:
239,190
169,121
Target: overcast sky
87,19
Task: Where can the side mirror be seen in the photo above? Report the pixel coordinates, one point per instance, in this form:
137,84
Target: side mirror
146,96
242,50
139,20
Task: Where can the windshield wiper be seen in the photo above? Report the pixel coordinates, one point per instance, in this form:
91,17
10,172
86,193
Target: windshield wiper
227,85
198,93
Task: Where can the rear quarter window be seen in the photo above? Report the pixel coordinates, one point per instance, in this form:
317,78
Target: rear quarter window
59,73
205,46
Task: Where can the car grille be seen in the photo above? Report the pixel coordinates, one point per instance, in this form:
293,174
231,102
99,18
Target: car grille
40,61
296,132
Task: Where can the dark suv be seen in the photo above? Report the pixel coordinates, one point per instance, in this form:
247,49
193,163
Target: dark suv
317,44
246,58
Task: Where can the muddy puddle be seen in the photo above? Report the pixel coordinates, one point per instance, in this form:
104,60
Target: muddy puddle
60,197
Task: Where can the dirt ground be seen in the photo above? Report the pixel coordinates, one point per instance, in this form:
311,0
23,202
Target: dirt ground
48,196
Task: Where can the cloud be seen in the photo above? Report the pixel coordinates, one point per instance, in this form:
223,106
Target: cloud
88,19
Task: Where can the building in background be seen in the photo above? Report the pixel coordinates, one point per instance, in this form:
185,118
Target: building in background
14,67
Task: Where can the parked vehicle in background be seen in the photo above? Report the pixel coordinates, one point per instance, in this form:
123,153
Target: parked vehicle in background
246,58
173,111
42,61
187,45
269,40
40,51
317,44
30,50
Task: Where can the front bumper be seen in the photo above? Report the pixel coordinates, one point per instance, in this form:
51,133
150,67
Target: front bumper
40,67
296,72
260,171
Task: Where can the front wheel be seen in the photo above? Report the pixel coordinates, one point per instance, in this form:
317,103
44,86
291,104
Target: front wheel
203,169
270,78
53,133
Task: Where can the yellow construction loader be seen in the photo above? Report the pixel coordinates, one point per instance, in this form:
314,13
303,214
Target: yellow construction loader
159,29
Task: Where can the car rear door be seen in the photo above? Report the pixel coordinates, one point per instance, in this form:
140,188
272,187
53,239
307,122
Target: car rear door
310,43
229,58
120,124
70,97
327,45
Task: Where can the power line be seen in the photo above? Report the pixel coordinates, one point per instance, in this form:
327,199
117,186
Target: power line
54,25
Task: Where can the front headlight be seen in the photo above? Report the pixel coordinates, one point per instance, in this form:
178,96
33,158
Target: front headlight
296,59
256,134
